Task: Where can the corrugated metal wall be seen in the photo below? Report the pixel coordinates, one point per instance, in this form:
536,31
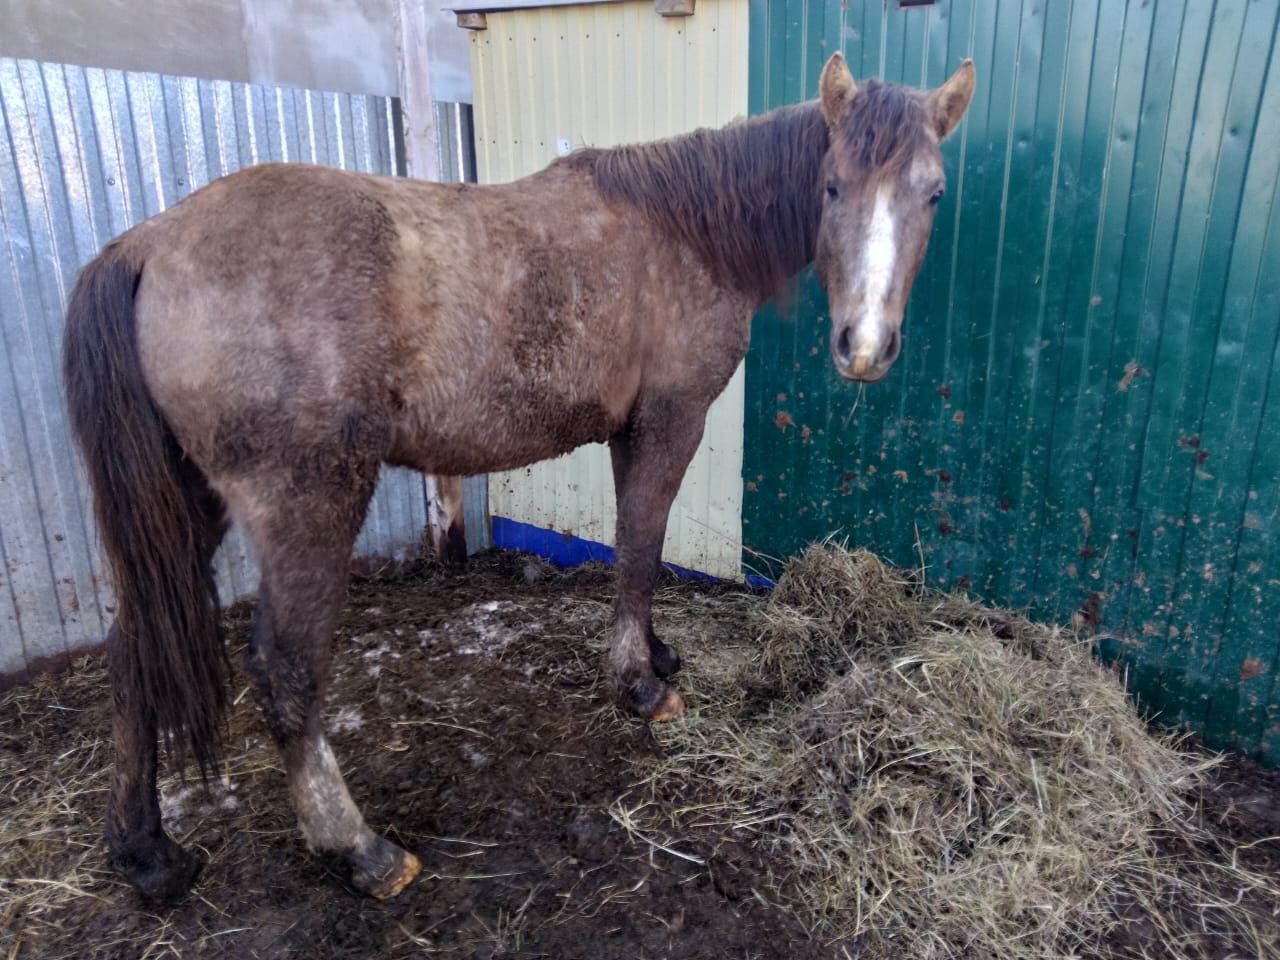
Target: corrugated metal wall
1086,416
457,142
86,154
599,75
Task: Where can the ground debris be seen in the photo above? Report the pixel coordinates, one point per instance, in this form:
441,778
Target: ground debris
867,769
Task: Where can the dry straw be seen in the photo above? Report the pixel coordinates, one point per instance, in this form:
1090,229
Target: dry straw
930,778
911,774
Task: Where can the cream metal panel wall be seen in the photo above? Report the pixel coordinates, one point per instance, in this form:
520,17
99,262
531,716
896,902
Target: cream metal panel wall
600,75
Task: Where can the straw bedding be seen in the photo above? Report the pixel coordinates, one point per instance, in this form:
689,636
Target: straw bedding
867,769
933,778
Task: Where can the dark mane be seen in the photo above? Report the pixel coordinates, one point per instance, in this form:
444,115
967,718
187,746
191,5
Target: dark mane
885,128
745,197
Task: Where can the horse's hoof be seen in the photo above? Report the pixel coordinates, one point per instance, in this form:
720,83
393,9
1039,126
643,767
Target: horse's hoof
161,871
652,699
390,870
671,708
410,867
664,659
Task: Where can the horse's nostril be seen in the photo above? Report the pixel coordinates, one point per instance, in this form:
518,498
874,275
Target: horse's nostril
844,347
893,348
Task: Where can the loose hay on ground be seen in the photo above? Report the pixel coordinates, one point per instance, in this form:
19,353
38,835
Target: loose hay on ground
856,748
932,778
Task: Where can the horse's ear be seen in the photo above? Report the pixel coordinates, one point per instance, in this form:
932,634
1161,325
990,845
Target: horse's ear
948,102
836,90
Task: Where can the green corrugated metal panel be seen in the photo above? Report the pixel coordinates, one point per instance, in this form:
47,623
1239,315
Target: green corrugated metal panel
1085,420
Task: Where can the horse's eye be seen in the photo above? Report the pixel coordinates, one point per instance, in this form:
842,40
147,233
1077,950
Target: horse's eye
937,195
832,192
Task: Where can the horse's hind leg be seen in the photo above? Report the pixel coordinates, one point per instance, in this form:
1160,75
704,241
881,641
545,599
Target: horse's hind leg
653,452
138,848
305,540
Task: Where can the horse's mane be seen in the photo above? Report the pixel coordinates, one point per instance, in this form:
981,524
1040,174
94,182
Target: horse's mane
747,197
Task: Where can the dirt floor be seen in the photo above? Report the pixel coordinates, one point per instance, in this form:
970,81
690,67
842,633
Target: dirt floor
475,728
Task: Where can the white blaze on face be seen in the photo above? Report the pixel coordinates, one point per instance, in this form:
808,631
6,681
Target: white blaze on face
879,257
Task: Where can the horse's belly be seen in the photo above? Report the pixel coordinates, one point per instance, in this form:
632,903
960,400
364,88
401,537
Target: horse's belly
511,429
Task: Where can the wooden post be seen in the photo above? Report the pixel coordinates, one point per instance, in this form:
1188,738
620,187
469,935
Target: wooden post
445,520
446,528
473,21
417,107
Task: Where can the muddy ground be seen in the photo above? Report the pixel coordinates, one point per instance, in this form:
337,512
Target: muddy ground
475,728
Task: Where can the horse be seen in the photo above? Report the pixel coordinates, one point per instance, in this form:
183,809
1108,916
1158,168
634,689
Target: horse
256,352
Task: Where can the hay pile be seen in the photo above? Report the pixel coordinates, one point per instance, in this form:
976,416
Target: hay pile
931,778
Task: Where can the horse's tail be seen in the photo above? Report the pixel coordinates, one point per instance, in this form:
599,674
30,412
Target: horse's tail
167,658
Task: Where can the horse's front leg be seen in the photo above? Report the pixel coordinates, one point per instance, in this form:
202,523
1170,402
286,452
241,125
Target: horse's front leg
650,458
663,658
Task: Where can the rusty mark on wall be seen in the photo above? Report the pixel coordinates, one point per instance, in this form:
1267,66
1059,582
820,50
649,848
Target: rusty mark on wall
1090,615
1132,370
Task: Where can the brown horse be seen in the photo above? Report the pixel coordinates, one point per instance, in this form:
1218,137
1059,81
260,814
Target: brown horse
257,351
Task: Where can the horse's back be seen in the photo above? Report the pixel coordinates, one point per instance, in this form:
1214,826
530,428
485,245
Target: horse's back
453,328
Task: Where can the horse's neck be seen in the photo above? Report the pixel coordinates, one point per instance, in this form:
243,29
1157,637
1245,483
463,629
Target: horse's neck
746,197
775,206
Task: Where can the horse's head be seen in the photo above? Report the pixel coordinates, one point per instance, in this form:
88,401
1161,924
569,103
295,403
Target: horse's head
882,179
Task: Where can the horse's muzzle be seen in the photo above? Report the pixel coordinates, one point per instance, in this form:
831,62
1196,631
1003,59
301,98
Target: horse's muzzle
863,365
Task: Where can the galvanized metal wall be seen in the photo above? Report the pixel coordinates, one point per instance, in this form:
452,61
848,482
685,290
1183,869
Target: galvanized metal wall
599,75
86,154
1086,416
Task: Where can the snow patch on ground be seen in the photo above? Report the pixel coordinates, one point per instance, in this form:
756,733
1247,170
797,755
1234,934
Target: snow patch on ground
345,720
182,802
380,651
474,756
482,631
